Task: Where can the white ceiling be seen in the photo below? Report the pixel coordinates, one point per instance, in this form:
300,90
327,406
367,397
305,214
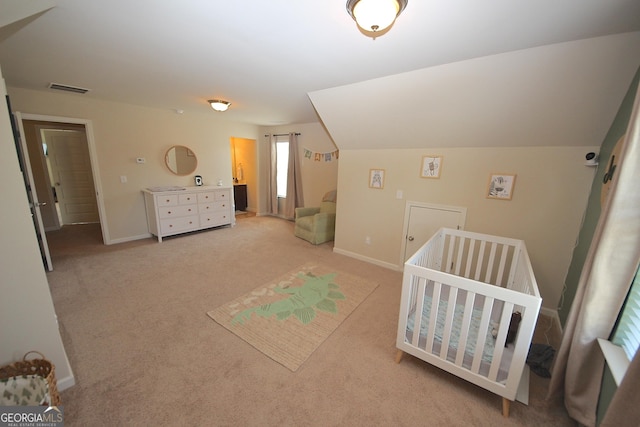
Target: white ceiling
266,57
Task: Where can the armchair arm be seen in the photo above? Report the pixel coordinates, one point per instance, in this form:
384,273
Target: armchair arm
300,212
324,221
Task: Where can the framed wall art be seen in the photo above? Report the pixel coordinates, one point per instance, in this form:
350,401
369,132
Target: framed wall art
431,166
376,178
501,186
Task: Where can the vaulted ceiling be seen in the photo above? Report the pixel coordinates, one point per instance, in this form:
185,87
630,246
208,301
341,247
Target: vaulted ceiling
447,72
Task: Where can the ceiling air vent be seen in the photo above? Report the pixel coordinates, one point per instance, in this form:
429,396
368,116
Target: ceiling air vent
67,88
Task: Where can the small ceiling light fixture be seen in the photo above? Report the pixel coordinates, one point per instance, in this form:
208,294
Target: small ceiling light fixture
219,105
374,16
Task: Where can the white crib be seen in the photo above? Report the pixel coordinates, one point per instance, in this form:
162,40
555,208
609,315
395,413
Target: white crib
458,295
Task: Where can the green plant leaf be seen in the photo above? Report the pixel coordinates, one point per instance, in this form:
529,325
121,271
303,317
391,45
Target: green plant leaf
327,305
283,315
305,315
336,295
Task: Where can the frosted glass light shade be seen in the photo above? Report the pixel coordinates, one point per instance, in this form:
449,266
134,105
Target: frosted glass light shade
375,15
219,105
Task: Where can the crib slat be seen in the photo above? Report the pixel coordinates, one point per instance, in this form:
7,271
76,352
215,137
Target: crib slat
461,242
417,320
449,263
482,335
503,262
505,320
466,322
483,243
492,257
472,245
446,332
433,316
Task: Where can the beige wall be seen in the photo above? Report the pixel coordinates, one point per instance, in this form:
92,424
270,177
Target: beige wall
124,132
546,210
551,190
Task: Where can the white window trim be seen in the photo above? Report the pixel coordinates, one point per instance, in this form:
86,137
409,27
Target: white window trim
616,359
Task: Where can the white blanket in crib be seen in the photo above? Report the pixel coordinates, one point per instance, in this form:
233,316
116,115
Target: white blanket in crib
470,348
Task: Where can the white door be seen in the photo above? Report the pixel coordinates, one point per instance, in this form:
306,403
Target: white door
68,154
34,204
423,220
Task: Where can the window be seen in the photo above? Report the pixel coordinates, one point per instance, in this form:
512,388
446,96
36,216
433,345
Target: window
282,167
627,334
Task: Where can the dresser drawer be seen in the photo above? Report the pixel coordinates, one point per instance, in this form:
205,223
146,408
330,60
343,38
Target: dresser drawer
178,225
177,211
187,199
214,219
207,197
223,195
171,200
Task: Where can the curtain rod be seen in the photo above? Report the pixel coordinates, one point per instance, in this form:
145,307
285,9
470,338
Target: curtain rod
283,134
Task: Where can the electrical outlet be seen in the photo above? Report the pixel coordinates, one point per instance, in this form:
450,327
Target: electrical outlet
123,179
367,240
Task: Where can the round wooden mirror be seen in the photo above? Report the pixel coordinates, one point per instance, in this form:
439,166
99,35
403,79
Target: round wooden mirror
181,160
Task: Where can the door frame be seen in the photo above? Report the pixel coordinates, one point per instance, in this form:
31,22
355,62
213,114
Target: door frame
407,210
93,157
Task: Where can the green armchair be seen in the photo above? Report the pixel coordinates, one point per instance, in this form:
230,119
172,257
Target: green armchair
318,224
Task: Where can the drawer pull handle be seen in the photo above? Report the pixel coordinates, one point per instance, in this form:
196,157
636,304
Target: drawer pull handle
168,200
169,213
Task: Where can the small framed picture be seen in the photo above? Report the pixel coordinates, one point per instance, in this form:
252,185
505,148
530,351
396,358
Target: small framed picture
431,166
376,178
501,186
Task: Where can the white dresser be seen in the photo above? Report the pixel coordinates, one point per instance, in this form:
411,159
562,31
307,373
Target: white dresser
191,209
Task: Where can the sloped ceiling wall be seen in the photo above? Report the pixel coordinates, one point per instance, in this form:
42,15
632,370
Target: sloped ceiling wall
17,14
558,95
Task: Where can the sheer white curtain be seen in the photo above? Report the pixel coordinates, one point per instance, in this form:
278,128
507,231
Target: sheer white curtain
272,184
294,179
606,277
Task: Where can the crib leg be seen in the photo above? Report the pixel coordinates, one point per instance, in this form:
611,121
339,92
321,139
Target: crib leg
399,355
505,407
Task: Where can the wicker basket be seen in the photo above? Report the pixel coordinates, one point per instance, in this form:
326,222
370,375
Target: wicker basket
41,367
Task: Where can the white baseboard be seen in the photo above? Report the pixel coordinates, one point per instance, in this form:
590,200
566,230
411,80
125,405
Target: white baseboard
128,239
549,312
66,382
367,259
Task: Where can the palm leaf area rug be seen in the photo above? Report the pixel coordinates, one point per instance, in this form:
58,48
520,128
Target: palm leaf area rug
290,317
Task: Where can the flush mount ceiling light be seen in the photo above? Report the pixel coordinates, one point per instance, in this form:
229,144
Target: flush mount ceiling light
219,105
374,16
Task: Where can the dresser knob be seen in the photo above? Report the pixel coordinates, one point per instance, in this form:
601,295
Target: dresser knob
169,213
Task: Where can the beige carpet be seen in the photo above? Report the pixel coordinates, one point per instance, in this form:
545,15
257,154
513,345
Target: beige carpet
133,318
290,317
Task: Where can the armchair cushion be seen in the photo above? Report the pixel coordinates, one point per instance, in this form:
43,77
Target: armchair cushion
316,224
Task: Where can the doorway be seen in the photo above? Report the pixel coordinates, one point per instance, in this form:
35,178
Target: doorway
422,220
245,174
61,154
